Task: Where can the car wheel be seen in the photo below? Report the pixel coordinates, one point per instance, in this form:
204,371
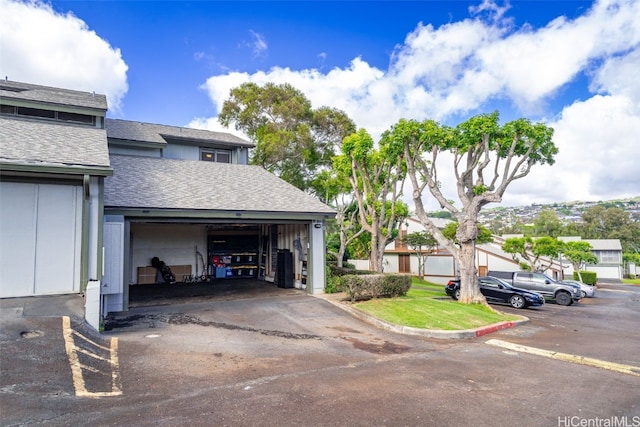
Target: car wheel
563,298
456,294
517,301
583,294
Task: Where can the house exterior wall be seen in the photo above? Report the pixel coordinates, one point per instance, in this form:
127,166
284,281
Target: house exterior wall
184,152
135,151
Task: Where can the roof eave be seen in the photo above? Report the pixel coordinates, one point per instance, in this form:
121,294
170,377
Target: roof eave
237,215
10,168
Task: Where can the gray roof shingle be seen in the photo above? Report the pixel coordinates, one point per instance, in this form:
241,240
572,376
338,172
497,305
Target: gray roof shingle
34,141
152,183
51,95
148,132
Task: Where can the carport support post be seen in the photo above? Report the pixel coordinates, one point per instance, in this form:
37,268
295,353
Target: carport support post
316,264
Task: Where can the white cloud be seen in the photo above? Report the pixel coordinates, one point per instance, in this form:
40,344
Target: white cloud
58,50
461,68
259,44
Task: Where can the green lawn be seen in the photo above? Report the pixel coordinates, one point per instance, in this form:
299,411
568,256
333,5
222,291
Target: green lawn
631,281
427,306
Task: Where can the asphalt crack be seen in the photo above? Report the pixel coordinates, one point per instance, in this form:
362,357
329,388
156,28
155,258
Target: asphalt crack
185,319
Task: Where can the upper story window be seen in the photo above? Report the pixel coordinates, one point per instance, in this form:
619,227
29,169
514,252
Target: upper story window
84,119
216,155
609,256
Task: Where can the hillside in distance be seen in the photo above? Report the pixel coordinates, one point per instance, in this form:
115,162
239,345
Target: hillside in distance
566,211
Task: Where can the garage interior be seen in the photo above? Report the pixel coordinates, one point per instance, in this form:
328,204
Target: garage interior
214,260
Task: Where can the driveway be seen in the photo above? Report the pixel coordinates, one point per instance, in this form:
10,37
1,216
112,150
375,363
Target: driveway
287,358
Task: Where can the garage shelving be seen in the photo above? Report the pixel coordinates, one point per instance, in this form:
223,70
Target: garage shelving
233,256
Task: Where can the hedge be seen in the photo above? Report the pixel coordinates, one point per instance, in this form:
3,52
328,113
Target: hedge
588,277
335,274
363,287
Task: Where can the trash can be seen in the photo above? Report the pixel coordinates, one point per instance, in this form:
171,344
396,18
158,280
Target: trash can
284,269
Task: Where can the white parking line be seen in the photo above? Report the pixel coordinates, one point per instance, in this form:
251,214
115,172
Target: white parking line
617,367
77,367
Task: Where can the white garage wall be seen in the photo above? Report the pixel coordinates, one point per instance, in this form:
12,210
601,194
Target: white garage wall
173,244
41,226
17,245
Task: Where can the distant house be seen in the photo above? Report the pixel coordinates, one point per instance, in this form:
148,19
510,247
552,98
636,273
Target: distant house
609,253
90,200
440,265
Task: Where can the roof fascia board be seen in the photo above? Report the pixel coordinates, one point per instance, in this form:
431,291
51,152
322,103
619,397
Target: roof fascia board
214,214
204,142
52,170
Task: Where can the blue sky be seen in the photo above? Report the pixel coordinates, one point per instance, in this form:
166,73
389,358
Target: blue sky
571,64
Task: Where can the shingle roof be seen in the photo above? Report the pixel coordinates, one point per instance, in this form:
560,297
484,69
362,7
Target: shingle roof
152,183
604,244
149,132
33,141
52,95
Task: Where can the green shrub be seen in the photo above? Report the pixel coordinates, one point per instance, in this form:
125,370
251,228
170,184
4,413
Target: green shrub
335,284
588,277
362,287
342,271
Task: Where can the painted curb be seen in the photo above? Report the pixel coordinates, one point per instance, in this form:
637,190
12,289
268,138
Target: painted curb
426,333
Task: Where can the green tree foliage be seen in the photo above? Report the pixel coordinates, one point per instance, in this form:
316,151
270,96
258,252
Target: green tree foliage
611,223
293,140
376,176
335,188
579,253
485,235
547,223
533,251
421,244
487,157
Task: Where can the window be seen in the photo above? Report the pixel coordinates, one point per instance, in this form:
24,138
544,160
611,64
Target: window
609,256
40,113
219,156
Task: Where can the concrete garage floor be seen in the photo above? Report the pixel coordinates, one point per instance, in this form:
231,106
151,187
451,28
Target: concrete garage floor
176,293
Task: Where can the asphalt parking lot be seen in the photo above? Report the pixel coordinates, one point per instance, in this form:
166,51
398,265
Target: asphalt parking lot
286,358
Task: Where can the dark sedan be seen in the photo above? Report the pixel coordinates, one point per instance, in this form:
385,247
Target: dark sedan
499,291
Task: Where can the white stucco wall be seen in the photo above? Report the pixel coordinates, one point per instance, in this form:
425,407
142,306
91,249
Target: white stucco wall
174,244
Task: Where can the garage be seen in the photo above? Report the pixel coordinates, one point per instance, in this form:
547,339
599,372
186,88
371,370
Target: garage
214,254
41,228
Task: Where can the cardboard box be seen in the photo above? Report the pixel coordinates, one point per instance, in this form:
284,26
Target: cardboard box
146,275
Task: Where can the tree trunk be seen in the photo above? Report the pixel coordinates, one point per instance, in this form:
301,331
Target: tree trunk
469,288
469,292
377,253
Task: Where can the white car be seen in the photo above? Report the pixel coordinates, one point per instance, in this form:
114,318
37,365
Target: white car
586,290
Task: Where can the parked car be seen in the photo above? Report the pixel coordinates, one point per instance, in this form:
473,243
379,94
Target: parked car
498,291
586,290
562,293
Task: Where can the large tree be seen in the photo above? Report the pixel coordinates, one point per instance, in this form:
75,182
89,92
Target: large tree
537,253
486,158
293,140
376,176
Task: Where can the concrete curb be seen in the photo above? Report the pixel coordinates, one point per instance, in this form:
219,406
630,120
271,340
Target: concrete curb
427,333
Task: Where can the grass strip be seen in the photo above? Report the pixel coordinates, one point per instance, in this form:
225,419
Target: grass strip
426,306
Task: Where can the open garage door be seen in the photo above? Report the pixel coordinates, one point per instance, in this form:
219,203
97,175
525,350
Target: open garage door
41,226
